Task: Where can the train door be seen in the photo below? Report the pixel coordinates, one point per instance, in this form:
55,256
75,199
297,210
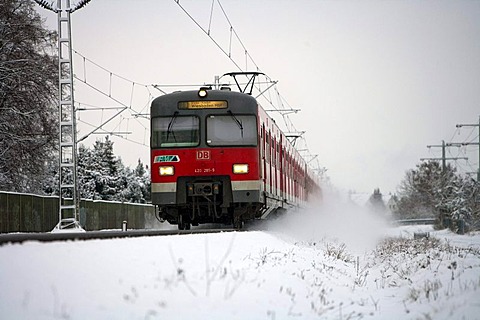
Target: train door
281,164
264,157
269,160
272,163
274,166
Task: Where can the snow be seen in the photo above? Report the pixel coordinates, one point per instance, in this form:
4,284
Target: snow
325,263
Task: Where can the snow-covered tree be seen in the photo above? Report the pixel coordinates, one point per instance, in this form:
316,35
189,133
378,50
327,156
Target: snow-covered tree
138,184
420,190
429,191
105,169
102,176
28,91
87,174
472,196
463,206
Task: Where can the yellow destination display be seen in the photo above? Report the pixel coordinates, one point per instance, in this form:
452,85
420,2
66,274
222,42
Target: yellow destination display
203,104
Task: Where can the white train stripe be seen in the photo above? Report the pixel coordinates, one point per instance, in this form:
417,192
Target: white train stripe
236,186
164,187
247,185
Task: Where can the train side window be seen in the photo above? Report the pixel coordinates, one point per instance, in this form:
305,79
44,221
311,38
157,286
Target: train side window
262,139
268,147
274,158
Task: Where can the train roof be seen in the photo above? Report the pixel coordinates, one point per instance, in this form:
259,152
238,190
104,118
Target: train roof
239,102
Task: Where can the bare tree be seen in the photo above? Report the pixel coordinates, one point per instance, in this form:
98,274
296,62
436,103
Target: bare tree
28,91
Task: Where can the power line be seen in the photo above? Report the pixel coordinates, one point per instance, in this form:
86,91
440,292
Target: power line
473,143
207,32
443,158
462,148
227,52
124,106
116,134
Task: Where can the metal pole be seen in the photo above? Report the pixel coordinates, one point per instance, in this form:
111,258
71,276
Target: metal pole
444,161
68,214
474,143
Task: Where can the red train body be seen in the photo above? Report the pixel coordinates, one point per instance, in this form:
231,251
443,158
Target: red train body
217,157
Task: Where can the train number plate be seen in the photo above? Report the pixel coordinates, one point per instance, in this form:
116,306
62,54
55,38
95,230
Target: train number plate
203,154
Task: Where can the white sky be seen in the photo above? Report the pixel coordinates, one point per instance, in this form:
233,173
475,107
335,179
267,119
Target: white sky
376,81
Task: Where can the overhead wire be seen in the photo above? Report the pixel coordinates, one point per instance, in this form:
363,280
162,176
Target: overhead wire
248,58
114,134
463,150
208,34
111,75
280,99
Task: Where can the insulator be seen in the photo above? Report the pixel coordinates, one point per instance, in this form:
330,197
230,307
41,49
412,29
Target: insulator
44,4
80,5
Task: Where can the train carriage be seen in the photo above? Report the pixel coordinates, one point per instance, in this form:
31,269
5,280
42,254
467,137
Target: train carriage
217,157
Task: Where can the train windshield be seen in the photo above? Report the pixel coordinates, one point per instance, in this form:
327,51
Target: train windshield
175,131
231,130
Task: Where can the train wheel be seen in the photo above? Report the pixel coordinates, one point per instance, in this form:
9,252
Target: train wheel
237,223
181,223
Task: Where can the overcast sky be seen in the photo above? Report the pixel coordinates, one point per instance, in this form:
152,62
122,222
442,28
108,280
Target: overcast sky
376,81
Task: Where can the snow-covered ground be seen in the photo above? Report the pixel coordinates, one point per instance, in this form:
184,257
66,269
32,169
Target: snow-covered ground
327,263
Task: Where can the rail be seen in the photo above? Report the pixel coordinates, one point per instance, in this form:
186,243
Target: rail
91,235
408,222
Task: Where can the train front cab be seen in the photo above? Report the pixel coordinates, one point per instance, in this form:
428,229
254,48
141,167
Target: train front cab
205,158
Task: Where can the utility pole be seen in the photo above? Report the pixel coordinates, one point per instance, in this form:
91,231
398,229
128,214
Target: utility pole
68,184
443,158
473,143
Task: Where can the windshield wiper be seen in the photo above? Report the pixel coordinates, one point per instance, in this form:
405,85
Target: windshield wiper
239,123
170,125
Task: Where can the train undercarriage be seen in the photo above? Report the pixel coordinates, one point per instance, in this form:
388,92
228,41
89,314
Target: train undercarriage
200,201
194,215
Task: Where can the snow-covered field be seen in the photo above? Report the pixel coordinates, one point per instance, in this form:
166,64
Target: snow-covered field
328,263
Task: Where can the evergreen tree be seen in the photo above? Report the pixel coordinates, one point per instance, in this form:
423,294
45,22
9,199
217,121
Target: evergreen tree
103,176
472,196
138,184
463,206
104,169
86,175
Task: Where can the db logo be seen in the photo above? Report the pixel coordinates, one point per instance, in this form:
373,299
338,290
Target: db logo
203,155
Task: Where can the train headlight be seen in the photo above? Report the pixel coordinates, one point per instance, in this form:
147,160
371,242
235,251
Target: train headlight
202,93
166,171
240,168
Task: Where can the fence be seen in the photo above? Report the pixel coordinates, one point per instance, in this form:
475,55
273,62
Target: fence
33,213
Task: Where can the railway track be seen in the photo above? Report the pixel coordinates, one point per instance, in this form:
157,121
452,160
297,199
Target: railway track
91,235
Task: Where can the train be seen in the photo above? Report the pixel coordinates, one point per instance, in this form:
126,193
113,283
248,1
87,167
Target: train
218,157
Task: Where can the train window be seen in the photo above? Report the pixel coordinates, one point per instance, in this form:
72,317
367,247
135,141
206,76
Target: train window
267,148
175,131
232,130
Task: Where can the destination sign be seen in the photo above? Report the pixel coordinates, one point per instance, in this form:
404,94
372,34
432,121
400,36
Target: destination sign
203,104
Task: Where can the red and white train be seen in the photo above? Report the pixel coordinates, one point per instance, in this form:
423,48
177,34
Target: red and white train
217,157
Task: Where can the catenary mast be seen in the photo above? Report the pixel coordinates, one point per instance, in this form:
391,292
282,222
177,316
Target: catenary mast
69,198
